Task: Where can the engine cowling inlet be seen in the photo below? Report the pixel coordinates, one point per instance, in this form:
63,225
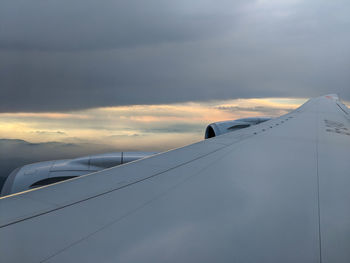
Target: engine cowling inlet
222,127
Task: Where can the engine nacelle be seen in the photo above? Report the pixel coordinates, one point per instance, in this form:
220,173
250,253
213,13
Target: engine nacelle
222,127
44,173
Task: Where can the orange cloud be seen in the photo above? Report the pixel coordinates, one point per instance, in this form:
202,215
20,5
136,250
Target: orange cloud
47,115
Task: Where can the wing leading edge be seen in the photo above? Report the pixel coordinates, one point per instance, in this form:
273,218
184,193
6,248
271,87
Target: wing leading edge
275,192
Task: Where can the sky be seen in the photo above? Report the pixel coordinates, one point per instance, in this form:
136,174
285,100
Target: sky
77,54
150,75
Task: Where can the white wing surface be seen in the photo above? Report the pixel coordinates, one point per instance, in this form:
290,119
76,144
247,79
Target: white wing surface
274,192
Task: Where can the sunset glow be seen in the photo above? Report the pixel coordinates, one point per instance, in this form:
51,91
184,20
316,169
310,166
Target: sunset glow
137,127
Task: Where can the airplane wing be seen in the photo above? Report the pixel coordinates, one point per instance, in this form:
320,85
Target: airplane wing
274,192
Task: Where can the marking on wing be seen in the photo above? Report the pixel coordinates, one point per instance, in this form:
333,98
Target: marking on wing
336,127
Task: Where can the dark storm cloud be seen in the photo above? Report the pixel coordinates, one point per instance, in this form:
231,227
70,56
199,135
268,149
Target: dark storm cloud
65,55
78,25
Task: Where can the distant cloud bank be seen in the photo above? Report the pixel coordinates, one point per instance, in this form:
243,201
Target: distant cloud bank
137,127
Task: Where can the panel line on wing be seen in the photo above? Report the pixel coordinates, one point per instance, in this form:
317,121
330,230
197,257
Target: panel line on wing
318,185
139,207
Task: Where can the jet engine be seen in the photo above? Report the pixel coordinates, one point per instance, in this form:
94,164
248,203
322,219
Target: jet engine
44,173
222,127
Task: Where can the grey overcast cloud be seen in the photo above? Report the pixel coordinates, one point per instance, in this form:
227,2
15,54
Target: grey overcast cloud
78,54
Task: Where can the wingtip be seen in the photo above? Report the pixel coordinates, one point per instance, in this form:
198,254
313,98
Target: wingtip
332,96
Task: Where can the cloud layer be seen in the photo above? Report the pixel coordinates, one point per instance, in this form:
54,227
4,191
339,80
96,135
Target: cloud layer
138,127
68,55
